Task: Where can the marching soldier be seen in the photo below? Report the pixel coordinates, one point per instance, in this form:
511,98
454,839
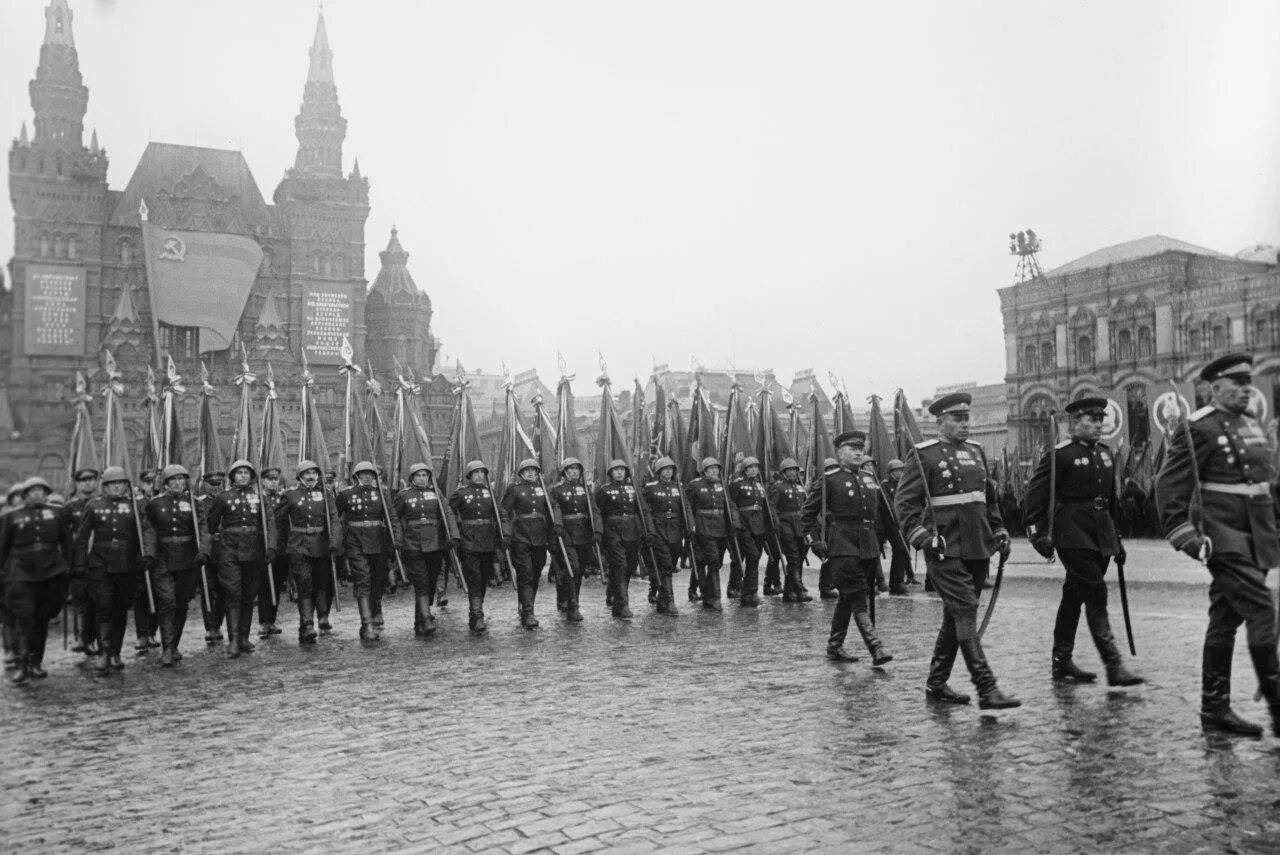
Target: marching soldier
525,504
306,523
900,572
176,545
1084,534
8,633
748,495
844,526
84,622
279,576
425,531
787,497
35,545
479,525
367,544
577,514
108,552
1235,535
619,513
215,609
666,506
946,505
715,518
245,548
145,622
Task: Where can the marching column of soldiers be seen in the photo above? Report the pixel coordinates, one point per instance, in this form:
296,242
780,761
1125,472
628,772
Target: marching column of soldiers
110,550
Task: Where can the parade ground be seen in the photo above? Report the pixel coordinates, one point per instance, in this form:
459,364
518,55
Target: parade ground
707,732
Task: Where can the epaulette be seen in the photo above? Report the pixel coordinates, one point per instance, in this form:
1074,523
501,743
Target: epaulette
1200,413
972,442
1063,444
926,443
831,470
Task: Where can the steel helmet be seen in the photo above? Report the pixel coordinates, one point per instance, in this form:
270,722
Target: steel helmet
173,470
364,466
618,463
663,463
56,499
473,466
15,490
787,463
707,463
35,481
242,464
895,463
570,461
420,467
114,473
267,471
305,466
528,463
748,461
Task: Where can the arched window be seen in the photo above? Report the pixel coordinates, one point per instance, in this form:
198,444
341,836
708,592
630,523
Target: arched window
126,251
44,246
1220,337
1145,346
339,265
1194,342
59,246
1047,356
1084,352
1029,360
1124,345
71,247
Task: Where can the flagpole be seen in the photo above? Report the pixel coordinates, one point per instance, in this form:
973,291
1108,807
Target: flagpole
151,280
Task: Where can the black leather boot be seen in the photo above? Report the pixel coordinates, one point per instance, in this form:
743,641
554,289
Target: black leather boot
233,634
944,658
667,598
306,624
426,620
102,662
166,642
1100,629
989,695
368,629
527,618
1215,696
21,670
1064,641
1267,667
879,656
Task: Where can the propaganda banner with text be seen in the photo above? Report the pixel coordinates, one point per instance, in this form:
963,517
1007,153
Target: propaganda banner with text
53,311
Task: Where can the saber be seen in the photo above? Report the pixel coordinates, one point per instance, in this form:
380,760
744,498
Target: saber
1195,508
1124,606
1053,479
995,595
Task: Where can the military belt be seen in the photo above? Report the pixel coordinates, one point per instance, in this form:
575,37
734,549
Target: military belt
182,538
533,516
234,529
621,516
365,524
1262,488
959,499
311,529
574,516
748,507
668,515
475,522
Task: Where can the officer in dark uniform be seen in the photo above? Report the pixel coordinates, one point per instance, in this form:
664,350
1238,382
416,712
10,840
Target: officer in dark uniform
479,524
525,505
367,544
109,552
215,610
424,531
667,509
1084,533
748,494
716,519
84,622
176,545
8,633
245,546
623,537
146,623
268,611
844,525
900,572
953,516
787,497
578,529
1235,534
35,547
306,522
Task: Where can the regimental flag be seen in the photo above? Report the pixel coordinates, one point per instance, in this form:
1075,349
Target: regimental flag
514,445
906,433
84,452
611,443
153,439
375,426
115,443
880,447
200,279
355,439
270,449
170,424
210,446
799,449
311,444
464,441
771,440
820,445
736,443
641,437
701,440
566,434
243,445
841,409
409,441
661,422
544,439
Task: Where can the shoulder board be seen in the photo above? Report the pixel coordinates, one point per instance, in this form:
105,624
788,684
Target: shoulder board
926,443
1103,446
651,483
971,442
831,471
1063,444
1200,413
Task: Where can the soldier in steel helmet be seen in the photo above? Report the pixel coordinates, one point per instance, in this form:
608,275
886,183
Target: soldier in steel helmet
425,531
715,518
213,603
623,534
306,521
479,524
268,611
748,494
666,509
578,521
787,496
35,551
246,546
176,545
368,545
84,623
524,503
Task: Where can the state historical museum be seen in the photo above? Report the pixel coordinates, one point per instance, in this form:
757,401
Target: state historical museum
213,268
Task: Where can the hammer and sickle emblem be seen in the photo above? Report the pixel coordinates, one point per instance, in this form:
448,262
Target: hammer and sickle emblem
174,249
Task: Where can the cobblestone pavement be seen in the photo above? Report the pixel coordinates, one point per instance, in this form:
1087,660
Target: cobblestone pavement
707,732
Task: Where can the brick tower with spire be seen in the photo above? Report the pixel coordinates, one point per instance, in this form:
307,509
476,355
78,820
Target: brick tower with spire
398,315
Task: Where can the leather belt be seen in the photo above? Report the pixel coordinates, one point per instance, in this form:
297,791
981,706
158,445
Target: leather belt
621,516
748,507
311,529
366,524
177,539
574,516
232,529
532,516
711,511
475,522
959,499
1262,488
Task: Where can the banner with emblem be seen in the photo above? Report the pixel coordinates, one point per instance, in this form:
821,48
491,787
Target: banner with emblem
200,279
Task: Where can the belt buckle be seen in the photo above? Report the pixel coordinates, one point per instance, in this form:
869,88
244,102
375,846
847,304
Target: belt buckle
1099,503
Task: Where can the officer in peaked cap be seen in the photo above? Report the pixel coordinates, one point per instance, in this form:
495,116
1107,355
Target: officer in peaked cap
946,505
1083,532
1224,451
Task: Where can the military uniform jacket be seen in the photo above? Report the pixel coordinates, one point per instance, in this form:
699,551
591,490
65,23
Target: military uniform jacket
619,510
169,533
74,511
1086,506
713,513
235,521
961,500
106,541
666,509
204,504
35,543
788,502
890,489
307,523
525,505
422,522
748,495
853,526
577,512
1238,480
478,524
364,520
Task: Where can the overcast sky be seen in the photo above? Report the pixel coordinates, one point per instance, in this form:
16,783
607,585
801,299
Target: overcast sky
783,185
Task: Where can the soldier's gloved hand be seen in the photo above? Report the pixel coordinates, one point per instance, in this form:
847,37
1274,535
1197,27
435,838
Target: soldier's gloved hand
148,563
1004,546
937,548
1121,555
202,559
820,549
559,530
1043,544
271,555
1199,547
